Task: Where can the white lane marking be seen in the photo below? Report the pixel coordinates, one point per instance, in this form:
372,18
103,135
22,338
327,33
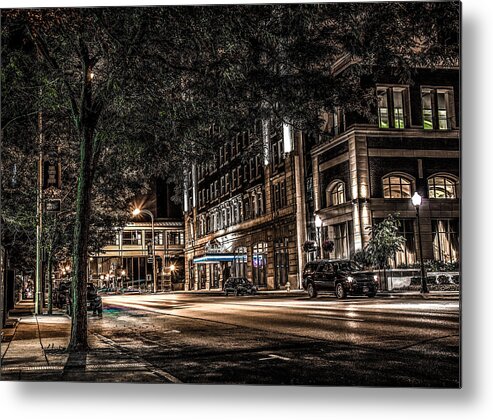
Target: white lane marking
337,318
275,356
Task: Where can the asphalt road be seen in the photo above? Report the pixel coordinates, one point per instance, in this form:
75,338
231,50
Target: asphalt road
271,339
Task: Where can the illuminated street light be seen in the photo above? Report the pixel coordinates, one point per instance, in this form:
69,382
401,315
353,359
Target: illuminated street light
136,212
416,200
172,268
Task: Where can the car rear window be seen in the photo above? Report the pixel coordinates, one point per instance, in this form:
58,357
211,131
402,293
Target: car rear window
310,268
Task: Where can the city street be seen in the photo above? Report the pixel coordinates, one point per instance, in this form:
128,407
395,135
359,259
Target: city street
272,339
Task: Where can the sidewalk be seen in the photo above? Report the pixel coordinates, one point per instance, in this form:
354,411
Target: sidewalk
33,348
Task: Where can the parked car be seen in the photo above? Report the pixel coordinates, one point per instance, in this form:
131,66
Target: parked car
239,286
343,277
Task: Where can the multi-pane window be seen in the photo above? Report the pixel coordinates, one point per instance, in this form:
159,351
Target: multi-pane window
259,264
175,238
336,194
441,186
398,99
342,234
396,186
277,151
383,108
446,240
392,105
226,183
279,195
133,237
407,253
221,156
437,106
238,174
426,100
158,236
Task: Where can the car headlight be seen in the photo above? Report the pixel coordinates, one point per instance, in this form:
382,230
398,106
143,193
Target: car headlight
350,279
375,278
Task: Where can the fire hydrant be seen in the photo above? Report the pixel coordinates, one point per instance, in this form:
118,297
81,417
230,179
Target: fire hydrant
288,286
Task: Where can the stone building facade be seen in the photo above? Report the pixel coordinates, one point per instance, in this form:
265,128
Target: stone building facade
245,211
367,170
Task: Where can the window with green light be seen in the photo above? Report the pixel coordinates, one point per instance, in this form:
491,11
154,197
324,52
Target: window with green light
383,108
392,105
437,105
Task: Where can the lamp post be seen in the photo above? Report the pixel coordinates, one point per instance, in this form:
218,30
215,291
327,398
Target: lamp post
318,225
416,200
136,212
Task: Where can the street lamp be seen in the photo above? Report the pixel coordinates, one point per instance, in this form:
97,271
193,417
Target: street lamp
416,200
136,212
318,225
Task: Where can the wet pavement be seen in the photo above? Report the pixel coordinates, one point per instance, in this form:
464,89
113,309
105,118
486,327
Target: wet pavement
266,339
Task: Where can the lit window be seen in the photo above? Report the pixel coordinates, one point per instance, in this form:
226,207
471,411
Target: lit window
442,187
437,106
391,107
336,194
445,240
398,97
396,186
383,108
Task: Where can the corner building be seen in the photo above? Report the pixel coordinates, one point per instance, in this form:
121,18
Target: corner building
367,170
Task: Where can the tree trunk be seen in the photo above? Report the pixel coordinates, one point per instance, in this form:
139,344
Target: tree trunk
78,339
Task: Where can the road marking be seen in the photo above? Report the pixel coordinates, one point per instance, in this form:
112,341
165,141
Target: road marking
275,356
337,318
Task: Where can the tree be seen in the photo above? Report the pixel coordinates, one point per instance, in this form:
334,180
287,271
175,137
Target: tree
148,91
385,242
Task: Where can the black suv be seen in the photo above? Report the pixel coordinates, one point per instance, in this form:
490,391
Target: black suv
239,286
340,276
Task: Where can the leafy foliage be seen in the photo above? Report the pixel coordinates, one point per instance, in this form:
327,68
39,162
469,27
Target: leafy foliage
385,241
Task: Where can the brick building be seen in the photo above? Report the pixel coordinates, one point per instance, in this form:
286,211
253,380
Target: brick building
245,211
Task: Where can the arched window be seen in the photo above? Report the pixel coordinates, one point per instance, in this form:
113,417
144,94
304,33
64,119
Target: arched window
397,186
336,193
442,186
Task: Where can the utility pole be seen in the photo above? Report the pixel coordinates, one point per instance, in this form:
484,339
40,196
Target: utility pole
38,298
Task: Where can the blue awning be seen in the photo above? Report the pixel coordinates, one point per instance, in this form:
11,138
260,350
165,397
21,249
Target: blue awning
217,258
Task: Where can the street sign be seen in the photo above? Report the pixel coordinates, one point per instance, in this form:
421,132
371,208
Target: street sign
53,205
